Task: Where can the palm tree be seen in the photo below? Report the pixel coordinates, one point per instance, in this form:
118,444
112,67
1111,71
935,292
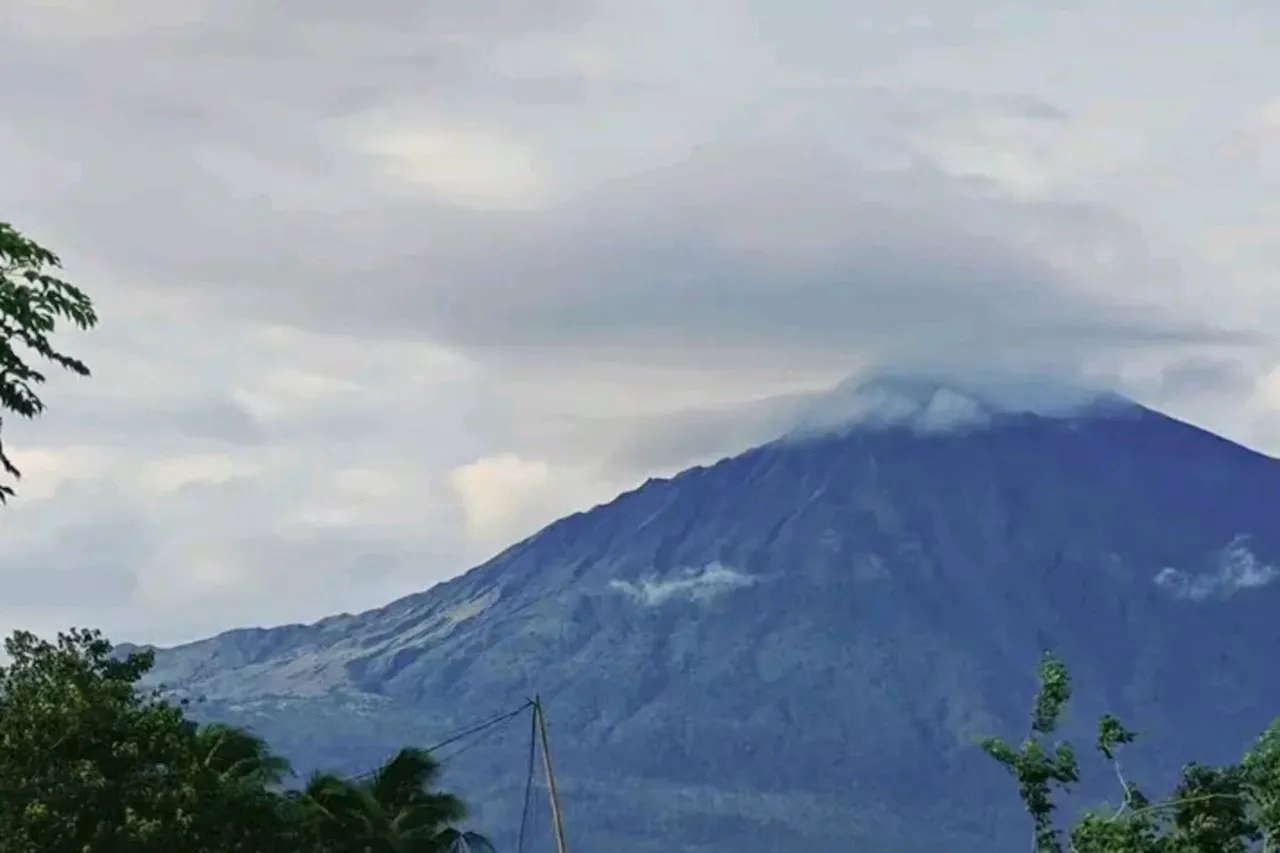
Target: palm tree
393,810
246,775
237,754
458,841
345,817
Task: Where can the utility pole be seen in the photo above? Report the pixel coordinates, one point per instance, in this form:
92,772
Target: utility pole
551,776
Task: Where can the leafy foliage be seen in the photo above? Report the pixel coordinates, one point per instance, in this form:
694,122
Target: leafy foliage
1229,809
393,809
1038,764
90,762
33,299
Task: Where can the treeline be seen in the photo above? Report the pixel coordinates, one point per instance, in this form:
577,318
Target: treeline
92,763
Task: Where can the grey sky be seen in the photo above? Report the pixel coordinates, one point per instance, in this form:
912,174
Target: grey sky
383,290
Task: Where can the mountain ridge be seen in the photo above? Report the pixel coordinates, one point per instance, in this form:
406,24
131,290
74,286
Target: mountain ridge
1084,404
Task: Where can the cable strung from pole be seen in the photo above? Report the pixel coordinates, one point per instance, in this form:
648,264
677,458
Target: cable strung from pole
479,727
528,779
445,760
497,719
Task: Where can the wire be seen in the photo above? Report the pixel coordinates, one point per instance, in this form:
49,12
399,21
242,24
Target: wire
528,779
497,719
479,727
445,760
489,723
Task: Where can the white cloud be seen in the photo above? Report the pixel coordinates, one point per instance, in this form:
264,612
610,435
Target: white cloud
496,490
1235,569
924,406
1035,155
467,166
505,498
280,483
208,469
701,584
45,470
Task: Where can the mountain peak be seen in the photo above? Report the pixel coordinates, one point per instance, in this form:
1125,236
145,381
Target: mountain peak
762,654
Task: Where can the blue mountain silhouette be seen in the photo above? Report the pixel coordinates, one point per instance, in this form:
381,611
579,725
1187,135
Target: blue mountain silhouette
796,648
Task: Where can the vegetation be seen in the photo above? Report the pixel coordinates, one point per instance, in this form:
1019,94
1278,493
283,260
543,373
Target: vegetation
1230,809
90,762
33,299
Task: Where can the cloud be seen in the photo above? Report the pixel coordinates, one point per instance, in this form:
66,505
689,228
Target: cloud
1236,568
692,585
1232,378
496,490
386,285
929,400
777,252
505,498
470,168
928,409
165,476
741,254
325,498
746,247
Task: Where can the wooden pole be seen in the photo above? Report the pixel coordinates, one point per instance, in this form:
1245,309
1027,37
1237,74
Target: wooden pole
551,776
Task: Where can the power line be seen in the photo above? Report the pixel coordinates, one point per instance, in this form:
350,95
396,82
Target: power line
495,720
483,725
446,760
479,727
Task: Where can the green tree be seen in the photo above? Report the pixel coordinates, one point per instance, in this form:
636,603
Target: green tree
235,754
459,841
33,300
1229,809
1041,765
394,809
88,762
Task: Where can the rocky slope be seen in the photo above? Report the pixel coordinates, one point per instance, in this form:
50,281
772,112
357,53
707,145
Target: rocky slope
798,645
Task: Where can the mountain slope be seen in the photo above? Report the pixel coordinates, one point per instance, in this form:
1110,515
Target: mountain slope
799,645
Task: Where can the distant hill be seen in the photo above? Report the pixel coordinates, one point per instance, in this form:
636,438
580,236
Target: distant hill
795,648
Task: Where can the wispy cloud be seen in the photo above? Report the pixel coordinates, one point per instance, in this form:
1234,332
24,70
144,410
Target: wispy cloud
1236,568
691,585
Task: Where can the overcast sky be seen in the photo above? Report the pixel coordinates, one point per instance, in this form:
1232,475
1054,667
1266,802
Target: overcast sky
387,285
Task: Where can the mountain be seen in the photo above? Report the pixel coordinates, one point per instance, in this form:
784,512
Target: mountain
796,647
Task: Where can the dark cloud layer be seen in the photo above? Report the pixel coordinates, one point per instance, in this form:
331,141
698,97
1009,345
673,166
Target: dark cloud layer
781,251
